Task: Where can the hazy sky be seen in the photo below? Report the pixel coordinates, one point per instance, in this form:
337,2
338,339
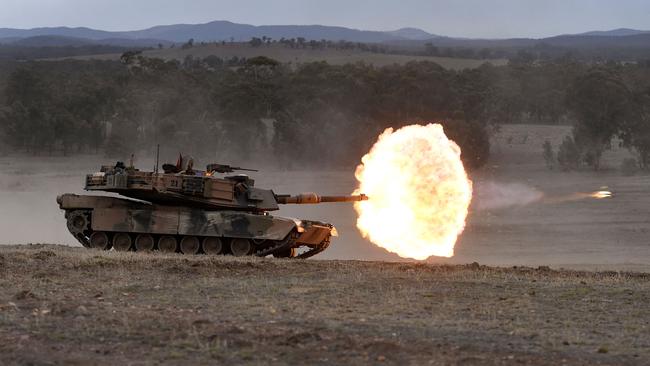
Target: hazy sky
466,18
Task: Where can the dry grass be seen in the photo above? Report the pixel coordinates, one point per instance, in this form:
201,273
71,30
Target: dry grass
71,305
284,54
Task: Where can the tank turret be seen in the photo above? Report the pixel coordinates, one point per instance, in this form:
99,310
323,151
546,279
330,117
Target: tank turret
192,211
199,189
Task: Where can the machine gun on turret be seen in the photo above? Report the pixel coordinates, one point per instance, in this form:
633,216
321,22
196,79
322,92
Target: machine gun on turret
223,168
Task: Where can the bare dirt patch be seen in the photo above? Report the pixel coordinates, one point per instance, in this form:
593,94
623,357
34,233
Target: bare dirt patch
64,305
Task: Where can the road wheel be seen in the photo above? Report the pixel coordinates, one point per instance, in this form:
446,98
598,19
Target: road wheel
212,246
240,247
288,253
99,240
190,245
144,243
78,222
167,244
121,242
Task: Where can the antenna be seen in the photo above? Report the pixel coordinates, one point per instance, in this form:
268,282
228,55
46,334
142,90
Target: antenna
157,157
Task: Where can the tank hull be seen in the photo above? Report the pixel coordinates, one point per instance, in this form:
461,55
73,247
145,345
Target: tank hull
124,224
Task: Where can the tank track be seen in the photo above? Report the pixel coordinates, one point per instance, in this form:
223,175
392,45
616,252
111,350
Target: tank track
279,248
78,222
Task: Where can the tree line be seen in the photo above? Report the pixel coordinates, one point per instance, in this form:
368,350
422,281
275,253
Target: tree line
311,114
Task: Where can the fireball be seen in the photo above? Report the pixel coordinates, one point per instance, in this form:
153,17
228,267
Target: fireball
418,190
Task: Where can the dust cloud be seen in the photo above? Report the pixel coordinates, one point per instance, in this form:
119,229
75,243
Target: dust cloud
506,226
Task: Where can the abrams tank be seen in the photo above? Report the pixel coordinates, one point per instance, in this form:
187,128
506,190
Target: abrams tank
192,211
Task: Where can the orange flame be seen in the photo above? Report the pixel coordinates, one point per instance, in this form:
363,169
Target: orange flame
579,196
418,190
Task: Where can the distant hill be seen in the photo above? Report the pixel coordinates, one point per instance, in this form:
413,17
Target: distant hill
7,40
633,47
226,31
615,32
618,44
222,30
45,47
413,33
639,40
52,41
79,32
63,41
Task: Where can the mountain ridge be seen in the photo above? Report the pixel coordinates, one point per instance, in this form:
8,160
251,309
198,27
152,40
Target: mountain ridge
212,31
223,30
619,32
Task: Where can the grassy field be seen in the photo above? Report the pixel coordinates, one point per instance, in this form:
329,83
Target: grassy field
285,54
63,305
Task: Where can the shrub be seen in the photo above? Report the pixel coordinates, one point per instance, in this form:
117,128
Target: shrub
629,166
548,154
568,154
117,147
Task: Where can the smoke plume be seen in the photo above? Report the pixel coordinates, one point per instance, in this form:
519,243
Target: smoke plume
494,195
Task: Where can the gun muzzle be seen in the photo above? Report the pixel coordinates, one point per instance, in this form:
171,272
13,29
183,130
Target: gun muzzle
313,198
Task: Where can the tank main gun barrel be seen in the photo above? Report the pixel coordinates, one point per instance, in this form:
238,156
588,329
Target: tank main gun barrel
313,198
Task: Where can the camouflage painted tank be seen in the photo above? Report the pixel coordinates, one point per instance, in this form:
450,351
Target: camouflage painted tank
191,212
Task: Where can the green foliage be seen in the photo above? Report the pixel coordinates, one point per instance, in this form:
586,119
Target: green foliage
313,113
117,147
46,113
569,155
255,42
548,154
629,166
636,130
600,102
473,139
189,44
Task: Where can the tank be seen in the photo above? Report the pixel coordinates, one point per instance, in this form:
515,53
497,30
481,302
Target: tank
192,212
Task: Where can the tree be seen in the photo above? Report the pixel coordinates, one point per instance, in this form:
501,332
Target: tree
430,49
28,123
636,130
600,103
255,42
473,140
569,154
548,154
188,44
130,57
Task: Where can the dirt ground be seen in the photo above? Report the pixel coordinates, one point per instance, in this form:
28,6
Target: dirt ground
73,306
67,305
